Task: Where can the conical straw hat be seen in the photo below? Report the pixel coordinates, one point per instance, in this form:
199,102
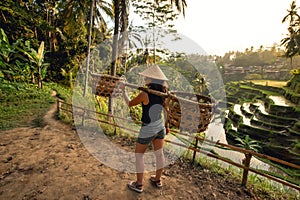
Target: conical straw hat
154,72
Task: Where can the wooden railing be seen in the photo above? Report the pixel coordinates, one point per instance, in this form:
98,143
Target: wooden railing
195,148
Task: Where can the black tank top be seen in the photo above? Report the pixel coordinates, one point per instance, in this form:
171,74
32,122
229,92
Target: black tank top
153,110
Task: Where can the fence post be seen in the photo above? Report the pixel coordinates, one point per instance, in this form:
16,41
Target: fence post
83,117
58,104
246,162
194,155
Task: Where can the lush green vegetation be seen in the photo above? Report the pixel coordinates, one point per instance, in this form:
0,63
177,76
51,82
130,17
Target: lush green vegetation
67,33
43,43
273,133
263,186
23,104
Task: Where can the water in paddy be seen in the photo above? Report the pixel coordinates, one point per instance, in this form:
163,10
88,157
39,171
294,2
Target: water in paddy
281,101
216,132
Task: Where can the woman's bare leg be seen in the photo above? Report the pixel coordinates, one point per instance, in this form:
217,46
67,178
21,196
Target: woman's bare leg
160,158
139,159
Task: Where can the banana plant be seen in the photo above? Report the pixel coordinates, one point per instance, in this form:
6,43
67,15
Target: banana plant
37,59
8,56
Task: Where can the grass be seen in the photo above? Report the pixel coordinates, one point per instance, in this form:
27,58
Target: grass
24,104
65,94
261,185
21,103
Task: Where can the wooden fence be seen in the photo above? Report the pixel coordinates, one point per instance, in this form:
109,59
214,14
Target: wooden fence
246,162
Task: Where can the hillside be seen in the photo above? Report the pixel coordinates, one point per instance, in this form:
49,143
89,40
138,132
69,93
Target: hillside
50,162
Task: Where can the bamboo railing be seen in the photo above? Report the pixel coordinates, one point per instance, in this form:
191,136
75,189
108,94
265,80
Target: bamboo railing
194,148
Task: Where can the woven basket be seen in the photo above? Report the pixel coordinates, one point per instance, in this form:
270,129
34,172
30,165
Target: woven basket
189,112
186,111
106,85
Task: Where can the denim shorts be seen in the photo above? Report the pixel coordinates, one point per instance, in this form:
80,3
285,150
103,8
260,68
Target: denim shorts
146,140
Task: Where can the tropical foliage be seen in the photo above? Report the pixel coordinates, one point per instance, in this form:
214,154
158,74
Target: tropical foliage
248,144
48,40
291,42
19,61
262,56
28,108
62,25
158,18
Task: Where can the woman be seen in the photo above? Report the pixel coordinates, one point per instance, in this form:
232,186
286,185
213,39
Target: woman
153,128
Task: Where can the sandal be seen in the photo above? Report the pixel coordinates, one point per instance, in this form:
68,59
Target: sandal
157,183
135,186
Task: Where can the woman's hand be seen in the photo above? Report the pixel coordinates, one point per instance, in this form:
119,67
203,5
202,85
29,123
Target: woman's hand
167,129
121,83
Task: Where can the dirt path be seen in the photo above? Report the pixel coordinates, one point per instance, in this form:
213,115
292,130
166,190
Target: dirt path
50,162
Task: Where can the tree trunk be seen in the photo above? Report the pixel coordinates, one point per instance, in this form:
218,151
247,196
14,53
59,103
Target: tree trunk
89,48
39,78
115,49
48,18
124,26
115,38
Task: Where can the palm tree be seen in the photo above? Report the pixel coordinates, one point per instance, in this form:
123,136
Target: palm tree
121,24
103,10
79,12
75,13
291,42
89,47
292,15
180,5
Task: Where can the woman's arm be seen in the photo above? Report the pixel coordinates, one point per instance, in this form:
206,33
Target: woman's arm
141,98
166,119
127,100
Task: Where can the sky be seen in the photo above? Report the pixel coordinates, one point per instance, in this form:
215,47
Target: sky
219,26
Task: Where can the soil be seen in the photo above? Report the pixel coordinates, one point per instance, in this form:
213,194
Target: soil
50,162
